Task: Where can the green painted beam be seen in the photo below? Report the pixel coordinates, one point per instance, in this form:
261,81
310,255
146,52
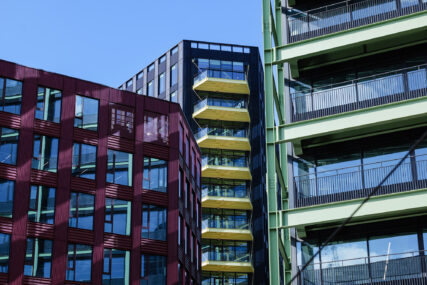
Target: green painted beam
408,113
379,32
393,205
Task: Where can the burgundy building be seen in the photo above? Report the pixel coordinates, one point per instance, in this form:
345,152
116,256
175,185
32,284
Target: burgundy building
97,185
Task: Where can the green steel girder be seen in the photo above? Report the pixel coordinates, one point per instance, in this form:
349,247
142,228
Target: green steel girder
278,239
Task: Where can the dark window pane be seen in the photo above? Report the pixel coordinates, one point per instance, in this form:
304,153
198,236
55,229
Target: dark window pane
79,262
42,204
11,95
8,145
45,153
117,216
6,198
155,174
154,222
86,113
48,104
84,161
153,269
4,252
38,257
119,170
81,211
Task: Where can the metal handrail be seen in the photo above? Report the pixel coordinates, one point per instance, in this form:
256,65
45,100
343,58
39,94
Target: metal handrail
240,133
361,93
222,160
209,193
220,102
342,16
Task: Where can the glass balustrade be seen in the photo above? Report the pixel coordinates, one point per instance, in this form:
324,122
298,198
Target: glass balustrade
223,132
225,160
216,73
220,102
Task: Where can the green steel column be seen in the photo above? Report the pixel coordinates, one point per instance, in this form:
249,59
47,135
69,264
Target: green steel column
279,242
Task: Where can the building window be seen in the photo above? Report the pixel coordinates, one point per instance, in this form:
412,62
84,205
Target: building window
185,239
139,91
174,74
181,138
139,75
8,145
187,193
79,263
174,50
193,166
179,229
82,207
42,204
150,89
45,153
156,128
151,67
84,161
187,151
153,269
162,83
48,104
180,180
174,97
6,197
154,225
117,216
119,170
10,95
38,257
116,267
4,252
121,121
162,59
129,83
155,174
86,113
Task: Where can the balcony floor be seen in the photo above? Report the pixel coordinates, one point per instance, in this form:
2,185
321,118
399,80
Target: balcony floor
227,266
223,142
227,234
223,114
226,172
227,203
222,85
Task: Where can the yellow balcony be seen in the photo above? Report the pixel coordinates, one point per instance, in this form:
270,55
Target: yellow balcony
227,266
221,81
224,142
226,172
226,203
227,234
223,114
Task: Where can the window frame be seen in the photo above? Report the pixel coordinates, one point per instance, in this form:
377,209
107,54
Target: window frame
113,171
39,194
41,156
79,165
44,105
83,115
3,82
74,257
163,187
146,211
77,210
111,214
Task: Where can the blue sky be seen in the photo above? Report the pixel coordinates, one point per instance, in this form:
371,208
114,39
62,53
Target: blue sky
107,41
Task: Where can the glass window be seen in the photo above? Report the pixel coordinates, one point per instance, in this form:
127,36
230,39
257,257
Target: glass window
38,257
139,75
10,96
181,138
162,83
86,113
8,145
116,267
155,174
129,83
139,91
119,170
4,252
187,151
154,225
337,254
174,74
179,229
180,180
151,67
79,263
150,89
398,246
84,161
156,128
45,153
162,59
153,269
121,121
6,198
48,104
117,216
81,211
42,204
174,50
174,97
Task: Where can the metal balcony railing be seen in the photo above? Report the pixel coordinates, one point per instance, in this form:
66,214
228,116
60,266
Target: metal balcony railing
410,266
216,73
358,181
220,102
343,16
224,132
361,93
223,254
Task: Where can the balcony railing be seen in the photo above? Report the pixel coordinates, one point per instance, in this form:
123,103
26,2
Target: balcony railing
357,182
402,267
225,222
220,102
233,161
224,132
343,16
224,254
224,74
229,191
361,93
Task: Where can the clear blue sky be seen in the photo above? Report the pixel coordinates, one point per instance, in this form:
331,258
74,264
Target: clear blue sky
107,41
